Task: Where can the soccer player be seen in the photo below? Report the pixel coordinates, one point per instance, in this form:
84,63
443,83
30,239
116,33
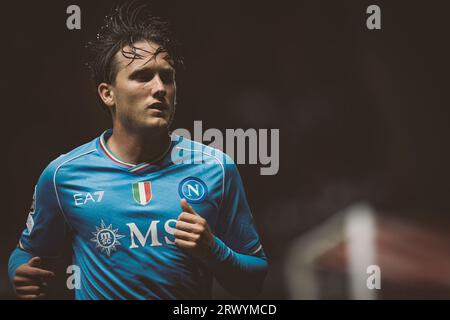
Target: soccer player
148,215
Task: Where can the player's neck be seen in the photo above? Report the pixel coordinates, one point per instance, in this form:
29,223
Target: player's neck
135,148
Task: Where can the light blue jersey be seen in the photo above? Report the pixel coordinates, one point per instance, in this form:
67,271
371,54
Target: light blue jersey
119,218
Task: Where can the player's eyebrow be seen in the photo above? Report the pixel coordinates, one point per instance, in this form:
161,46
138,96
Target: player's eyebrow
152,69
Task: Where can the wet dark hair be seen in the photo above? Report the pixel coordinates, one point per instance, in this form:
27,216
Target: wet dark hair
127,24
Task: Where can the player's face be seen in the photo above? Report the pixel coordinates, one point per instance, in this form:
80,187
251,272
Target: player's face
144,90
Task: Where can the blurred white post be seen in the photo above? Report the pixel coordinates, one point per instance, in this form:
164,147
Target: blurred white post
360,228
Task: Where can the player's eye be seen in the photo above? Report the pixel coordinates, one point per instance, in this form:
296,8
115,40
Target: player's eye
143,76
167,77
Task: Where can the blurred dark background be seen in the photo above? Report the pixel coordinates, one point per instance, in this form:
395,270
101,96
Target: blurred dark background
363,115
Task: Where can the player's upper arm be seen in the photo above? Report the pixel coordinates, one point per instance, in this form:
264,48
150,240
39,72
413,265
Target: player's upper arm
45,230
236,226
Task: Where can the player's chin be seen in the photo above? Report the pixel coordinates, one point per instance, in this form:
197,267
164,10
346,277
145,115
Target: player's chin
157,123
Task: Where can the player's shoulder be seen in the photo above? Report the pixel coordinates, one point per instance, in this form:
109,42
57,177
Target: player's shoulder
200,152
76,153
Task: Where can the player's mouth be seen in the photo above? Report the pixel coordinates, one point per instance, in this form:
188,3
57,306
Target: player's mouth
158,107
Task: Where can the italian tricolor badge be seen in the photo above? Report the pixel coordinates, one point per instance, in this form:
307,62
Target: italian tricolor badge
142,192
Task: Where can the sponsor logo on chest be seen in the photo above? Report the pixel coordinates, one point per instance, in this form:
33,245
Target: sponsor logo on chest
155,232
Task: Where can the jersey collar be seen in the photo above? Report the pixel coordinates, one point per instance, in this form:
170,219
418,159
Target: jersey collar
135,168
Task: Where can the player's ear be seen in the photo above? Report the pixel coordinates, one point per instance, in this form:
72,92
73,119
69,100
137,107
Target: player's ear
106,94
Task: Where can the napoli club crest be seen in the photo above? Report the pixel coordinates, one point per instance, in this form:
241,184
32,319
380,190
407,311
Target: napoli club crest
142,192
193,190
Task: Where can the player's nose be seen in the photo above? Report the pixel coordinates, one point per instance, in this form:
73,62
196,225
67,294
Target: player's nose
158,88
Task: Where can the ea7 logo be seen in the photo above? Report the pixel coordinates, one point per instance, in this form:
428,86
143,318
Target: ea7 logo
83,198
